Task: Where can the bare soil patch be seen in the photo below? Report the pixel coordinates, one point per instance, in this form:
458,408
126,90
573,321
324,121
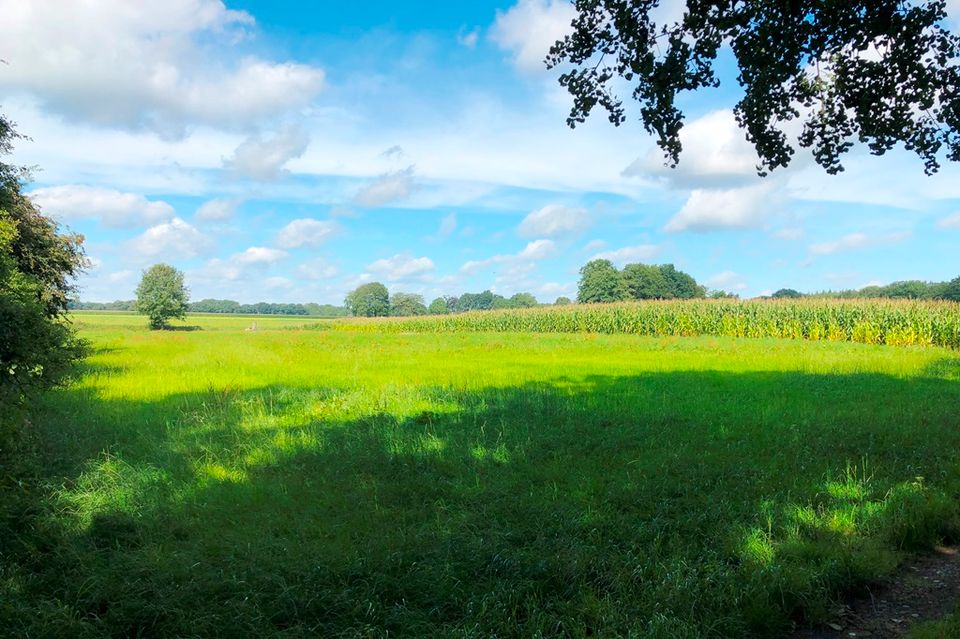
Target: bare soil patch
924,588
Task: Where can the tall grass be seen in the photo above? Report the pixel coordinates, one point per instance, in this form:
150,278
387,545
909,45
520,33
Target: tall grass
892,322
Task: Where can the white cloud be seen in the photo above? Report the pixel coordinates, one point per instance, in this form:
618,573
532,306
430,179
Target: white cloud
175,239
628,254
727,281
317,269
388,188
554,220
447,226
594,245
530,28
258,255
533,252
158,65
468,38
790,233
112,208
217,210
711,210
306,232
239,265
402,267
715,154
264,158
950,222
278,281
855,241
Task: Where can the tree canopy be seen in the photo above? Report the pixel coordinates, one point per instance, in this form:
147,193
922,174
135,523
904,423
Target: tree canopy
881,72
369,300
37,265
600,281
162,295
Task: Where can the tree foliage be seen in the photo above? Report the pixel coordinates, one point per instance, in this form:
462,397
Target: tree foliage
438,307
162,295
600,281
369,300
952,290
563,301
38,263
407,304
881,72
646,282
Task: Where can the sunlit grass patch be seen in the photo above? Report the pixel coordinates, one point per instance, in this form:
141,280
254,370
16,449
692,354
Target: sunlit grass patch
229,483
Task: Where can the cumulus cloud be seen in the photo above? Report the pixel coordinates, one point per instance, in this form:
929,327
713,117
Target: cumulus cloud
217,210
529,28
317,269
855,241
306,232
950,222
468,38
104,63
715,154
727,280
711,210
263,158
533,252
629,254
447,226
388,188
240,265
173,239
554,220
112,208
402,267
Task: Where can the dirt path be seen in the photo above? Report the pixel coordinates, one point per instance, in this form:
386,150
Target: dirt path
923,589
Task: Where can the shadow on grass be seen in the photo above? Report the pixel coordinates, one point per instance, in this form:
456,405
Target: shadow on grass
679,504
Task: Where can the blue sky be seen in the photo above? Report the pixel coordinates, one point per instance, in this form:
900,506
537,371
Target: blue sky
286,151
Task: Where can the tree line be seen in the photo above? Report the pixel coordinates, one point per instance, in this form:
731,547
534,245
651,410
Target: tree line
902,289
228,307
374,300
600,281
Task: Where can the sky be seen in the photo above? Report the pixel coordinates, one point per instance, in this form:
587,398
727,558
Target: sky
287,152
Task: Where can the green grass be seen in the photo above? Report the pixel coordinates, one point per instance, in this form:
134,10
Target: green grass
219,482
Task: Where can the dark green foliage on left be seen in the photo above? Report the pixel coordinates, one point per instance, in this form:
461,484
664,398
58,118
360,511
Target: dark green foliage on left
162,295
37,266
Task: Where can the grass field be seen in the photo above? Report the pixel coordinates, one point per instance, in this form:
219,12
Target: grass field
223,482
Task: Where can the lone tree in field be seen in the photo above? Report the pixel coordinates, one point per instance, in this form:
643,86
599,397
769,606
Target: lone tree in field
369,300
38,263
881,72
600,281
161,295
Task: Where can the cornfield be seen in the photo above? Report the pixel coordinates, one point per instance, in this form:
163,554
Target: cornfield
893,322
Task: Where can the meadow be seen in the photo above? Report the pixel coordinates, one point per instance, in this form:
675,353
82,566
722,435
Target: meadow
300,480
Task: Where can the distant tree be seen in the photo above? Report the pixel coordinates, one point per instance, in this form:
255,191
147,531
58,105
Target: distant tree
952,291
906,289
476,301
562,301
453,303
438,307
523,300
406,304
161,295
646,282
880,72
369,300
720,294
600,281
682,285
786,293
